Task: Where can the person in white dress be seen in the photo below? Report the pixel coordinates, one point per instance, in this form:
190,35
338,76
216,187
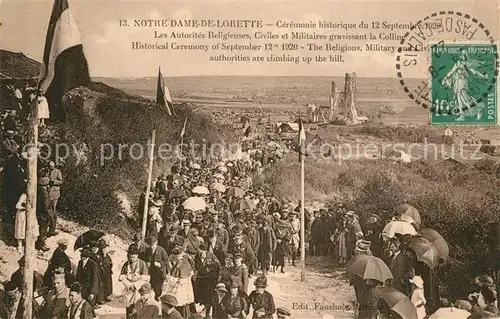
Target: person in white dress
43,109
20,223
417,296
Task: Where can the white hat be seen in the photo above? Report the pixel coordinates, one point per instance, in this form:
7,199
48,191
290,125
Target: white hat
417,281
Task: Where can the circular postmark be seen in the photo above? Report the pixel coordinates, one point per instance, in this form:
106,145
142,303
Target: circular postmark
451,48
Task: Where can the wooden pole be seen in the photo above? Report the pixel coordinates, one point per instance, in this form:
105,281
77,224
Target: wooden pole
148,187
333,100
302,224
31,192
181,155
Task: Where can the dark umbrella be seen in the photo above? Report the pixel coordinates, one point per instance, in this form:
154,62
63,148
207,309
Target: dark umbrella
397,302
369,267
84,239
425,251
176,193
245,204
437,240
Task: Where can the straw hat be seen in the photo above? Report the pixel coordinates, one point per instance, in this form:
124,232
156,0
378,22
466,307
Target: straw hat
220,287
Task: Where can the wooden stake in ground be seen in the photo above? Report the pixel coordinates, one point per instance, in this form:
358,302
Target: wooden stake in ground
29,247
148,187
302,224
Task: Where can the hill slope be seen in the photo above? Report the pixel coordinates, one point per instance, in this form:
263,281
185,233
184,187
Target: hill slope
17,65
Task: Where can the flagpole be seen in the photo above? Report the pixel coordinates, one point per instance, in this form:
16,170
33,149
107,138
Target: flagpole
148,187
181,155
31,192
302,224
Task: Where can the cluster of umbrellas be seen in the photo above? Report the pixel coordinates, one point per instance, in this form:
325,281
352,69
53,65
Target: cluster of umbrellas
428,245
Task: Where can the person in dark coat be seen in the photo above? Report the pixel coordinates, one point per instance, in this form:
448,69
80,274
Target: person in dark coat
14,179
215,245
261,300
234,303
283,236
87,275
171,239
79,308
59,259
43,207
157,261
267,245
316,240
226,270
401,270
253,236
239,246
207,270
218,302
141,245
106,270
373,234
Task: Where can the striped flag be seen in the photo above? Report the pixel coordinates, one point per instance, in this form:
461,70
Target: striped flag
184,128
64,64
301,140
163,97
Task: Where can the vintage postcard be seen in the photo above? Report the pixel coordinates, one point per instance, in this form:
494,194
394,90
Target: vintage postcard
249,159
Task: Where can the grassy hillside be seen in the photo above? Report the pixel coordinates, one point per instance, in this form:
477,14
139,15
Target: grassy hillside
17,65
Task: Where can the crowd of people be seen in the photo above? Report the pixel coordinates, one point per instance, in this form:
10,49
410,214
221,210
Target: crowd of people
209,232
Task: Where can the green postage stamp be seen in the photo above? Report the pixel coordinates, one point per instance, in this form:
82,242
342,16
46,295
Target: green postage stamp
463,87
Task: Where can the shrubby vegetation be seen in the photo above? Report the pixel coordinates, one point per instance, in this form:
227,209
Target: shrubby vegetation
461,206
89,192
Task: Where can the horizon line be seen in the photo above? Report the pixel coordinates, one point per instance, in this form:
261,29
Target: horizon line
269,76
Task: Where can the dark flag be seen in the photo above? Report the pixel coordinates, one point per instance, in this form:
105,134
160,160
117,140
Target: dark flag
64,64
301,140
163,97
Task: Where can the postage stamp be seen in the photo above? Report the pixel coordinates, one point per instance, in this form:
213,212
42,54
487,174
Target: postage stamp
461,90
424,49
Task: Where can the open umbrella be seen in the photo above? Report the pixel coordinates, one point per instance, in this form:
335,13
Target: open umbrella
450,313
236,192
398,227
425,251
369,267
84,239
410,211
437,240
201,190
218,187
175,193
397,302
194,203
245,204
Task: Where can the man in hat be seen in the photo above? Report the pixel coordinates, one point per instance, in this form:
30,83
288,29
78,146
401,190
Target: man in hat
58,259
267,245
235,303
43,207
87,275
79,308
223,234
106,264
239,272
240,246
170,239
354,232
401,269
218,310
374,234
283,237
283,313
261,300
253,236
193,241
215,245
146,307
157,261
141,245
316,240
56,180
207,269
57,301
94,248
169,302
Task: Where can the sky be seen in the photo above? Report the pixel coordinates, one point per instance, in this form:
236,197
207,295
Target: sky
107,46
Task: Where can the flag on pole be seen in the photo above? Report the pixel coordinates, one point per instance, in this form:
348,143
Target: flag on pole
163,97
184,128
64,64
301,143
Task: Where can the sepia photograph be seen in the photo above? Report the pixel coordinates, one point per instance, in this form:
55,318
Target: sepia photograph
235,159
